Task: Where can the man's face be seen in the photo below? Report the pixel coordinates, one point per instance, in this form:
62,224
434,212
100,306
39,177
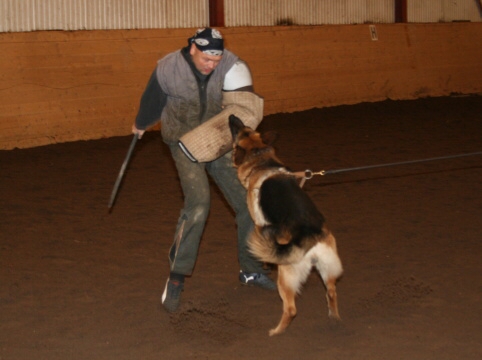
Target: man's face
204,63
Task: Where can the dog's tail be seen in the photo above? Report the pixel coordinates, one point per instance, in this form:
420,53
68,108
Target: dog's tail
280,250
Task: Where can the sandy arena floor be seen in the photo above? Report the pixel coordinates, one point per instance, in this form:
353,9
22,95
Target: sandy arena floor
79,283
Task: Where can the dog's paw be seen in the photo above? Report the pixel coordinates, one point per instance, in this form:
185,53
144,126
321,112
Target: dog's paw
275,331
334,314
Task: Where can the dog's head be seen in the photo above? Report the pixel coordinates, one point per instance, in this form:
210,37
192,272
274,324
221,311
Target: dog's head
248,144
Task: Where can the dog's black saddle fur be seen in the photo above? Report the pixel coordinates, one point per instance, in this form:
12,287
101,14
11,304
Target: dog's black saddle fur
289,210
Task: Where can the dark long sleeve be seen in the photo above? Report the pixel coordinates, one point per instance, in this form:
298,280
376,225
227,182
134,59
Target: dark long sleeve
152,102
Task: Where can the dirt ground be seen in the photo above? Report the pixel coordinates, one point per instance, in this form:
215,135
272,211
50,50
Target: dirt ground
78,282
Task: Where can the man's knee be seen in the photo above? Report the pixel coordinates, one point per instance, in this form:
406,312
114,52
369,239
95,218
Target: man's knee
199,212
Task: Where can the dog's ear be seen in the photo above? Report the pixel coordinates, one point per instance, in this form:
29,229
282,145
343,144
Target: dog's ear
235,125
269,137
238,155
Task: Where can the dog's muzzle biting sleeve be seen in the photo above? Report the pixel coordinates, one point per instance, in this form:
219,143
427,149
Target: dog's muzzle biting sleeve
213,139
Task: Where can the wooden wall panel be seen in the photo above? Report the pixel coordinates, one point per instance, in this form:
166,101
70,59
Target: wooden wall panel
60,86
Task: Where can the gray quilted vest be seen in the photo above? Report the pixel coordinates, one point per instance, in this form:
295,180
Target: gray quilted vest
183,107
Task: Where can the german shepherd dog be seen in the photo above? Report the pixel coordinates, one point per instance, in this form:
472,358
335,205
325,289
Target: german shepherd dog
289,229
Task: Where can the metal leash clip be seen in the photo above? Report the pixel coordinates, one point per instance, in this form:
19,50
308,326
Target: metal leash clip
309,175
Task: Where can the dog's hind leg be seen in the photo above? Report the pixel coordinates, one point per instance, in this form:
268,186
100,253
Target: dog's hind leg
287,294
331,299
329,266
290,279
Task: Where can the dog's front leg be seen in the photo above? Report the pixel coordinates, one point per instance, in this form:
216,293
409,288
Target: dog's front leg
287,294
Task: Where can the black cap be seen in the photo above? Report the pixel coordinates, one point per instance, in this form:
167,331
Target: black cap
209,41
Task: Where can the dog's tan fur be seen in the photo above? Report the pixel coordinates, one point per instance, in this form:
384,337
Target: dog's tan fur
257,163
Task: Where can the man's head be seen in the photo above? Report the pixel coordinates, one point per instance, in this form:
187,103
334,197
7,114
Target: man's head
206,50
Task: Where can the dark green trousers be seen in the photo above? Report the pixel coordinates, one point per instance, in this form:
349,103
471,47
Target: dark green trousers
197,200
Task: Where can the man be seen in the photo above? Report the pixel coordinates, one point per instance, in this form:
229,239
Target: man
188,89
